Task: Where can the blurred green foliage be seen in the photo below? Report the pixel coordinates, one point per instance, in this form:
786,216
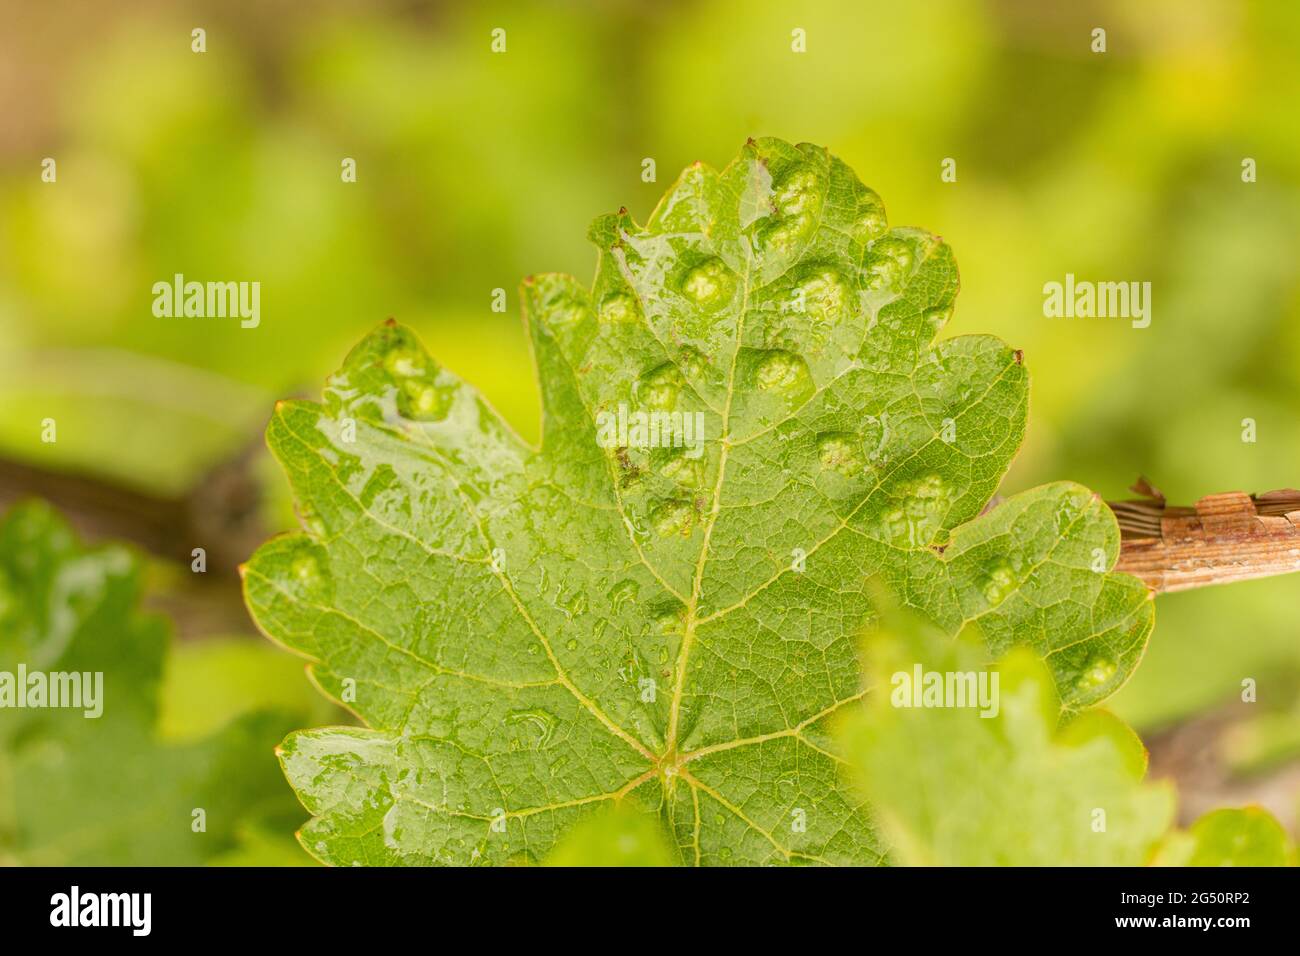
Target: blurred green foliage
1002,777
1248,836
617,836
99,780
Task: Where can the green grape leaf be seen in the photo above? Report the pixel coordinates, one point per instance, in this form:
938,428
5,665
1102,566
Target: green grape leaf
105,790
1246,836
745,419
999,782
615,835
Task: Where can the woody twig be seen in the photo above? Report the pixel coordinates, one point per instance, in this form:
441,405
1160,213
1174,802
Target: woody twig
1225,537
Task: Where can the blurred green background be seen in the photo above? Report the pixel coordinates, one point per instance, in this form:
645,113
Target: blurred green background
476,168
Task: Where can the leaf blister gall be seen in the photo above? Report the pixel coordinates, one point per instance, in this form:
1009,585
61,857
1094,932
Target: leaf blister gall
772,299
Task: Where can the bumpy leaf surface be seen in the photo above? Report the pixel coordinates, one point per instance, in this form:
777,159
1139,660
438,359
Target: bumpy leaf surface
106,791
531,633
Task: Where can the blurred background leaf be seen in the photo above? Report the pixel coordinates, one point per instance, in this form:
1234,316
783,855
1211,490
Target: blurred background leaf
1000,781
100,783
1247,836
617,836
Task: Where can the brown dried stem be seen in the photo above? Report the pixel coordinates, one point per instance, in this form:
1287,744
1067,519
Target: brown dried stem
1225,537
